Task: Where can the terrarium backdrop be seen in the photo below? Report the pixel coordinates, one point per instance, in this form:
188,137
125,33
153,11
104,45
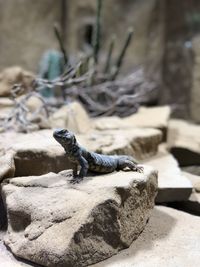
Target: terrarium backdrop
166,39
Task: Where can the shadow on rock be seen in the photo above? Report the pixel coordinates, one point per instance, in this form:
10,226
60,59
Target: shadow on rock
159,226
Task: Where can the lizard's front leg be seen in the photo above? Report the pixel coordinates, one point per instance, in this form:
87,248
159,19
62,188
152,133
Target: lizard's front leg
122,164
83,171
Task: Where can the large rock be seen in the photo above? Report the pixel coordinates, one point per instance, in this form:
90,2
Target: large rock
38,153
163,243
184,142
14,75
47,225
173,185
156,117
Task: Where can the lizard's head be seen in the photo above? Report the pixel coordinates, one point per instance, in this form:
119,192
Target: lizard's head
64,137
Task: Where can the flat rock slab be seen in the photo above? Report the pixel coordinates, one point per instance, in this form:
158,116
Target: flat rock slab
156,117
171,239
54,223
38,153
173,185
184,142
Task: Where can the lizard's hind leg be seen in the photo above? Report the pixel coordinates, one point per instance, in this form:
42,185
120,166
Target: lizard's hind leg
129,164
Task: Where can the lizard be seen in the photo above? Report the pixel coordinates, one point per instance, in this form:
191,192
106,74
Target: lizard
98,163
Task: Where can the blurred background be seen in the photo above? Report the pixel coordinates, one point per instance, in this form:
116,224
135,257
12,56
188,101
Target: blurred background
165,43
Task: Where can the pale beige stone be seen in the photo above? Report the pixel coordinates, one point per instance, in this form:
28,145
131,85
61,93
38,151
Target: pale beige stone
14,75
5,102
171,239
47,225
184,142
156,117
72,116
173,185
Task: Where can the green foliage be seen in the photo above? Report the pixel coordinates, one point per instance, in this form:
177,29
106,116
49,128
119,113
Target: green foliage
51,67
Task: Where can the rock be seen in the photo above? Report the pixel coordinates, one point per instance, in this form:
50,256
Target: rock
195,95
163,242
37,113
48,226
172,184
5,102
35,153
73,117
14,75
7,169
140,143
156,117
184,142
38,153
194,179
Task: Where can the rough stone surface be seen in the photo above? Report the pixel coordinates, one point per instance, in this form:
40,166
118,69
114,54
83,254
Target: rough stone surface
73,117
7,164
12,75
173,185
184,142
164,242
156,117
38,153
47,225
